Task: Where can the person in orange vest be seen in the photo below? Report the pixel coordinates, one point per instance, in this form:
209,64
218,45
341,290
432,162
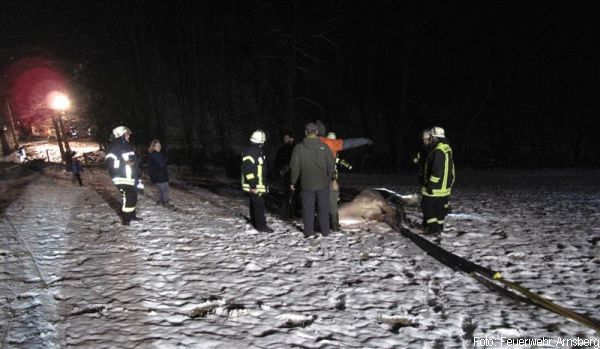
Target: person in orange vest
336,145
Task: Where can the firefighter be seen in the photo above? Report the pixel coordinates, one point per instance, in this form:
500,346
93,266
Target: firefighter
123,167
337,145
253,180
438,178
334,194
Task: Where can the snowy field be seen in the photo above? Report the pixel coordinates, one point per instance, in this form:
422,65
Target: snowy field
201,277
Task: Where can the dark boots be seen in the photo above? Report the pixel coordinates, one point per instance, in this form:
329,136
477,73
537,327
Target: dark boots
334,220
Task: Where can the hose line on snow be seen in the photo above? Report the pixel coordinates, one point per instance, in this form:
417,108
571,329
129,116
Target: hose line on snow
491,278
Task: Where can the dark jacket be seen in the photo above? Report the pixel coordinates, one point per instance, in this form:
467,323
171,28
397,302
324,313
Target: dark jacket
122,162
253,168
283,156
313,163
76,167
438,172
157,167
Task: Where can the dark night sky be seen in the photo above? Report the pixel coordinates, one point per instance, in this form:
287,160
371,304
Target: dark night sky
516,82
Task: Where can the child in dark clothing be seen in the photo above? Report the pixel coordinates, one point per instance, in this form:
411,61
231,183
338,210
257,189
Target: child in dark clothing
76,169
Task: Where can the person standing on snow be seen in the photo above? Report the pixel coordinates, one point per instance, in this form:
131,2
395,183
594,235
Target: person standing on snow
313,164
253,180
123,167
438,178
337,145
22,155
158,172
76,170
282,165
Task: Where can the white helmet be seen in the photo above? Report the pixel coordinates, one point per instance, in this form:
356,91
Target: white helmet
435,131
120,131
331,135
258,137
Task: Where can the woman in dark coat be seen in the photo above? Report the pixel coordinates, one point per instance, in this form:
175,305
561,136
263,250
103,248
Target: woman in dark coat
159,174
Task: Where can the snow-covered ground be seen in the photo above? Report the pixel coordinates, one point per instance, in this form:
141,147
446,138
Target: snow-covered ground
201,277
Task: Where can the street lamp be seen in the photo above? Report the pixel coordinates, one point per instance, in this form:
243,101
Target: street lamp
59,102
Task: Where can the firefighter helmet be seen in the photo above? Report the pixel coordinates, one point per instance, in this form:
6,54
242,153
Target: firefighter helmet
120,131
438,132
331,135
435,132
258,137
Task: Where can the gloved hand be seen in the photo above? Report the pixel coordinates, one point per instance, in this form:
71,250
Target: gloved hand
284,170
370,142
140,187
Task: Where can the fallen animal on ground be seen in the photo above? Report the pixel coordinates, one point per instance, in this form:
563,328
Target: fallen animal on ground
371,205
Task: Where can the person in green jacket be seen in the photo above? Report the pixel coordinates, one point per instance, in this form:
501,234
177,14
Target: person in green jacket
313,163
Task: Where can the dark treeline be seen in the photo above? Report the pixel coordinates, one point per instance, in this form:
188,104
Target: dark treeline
513,84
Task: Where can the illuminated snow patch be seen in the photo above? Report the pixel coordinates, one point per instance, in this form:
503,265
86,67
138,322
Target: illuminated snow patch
350,221
204,308
466,216
295,320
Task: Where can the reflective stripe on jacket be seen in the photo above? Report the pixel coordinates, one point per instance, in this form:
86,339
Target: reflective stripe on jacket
122,163
253,169
438,173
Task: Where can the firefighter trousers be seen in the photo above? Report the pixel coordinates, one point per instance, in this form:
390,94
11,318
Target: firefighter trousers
129,201
256,204
435,209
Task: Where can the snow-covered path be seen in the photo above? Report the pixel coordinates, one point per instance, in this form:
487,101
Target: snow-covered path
200,277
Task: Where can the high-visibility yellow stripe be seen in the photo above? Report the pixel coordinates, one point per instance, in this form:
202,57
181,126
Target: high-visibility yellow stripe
446,166
121,180
436,192
128,171
431,220
434,179
116,162
259,188
259,172
127,155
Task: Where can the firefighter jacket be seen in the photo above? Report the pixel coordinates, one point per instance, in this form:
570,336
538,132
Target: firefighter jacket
343,163
253,169
438,171
122,163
